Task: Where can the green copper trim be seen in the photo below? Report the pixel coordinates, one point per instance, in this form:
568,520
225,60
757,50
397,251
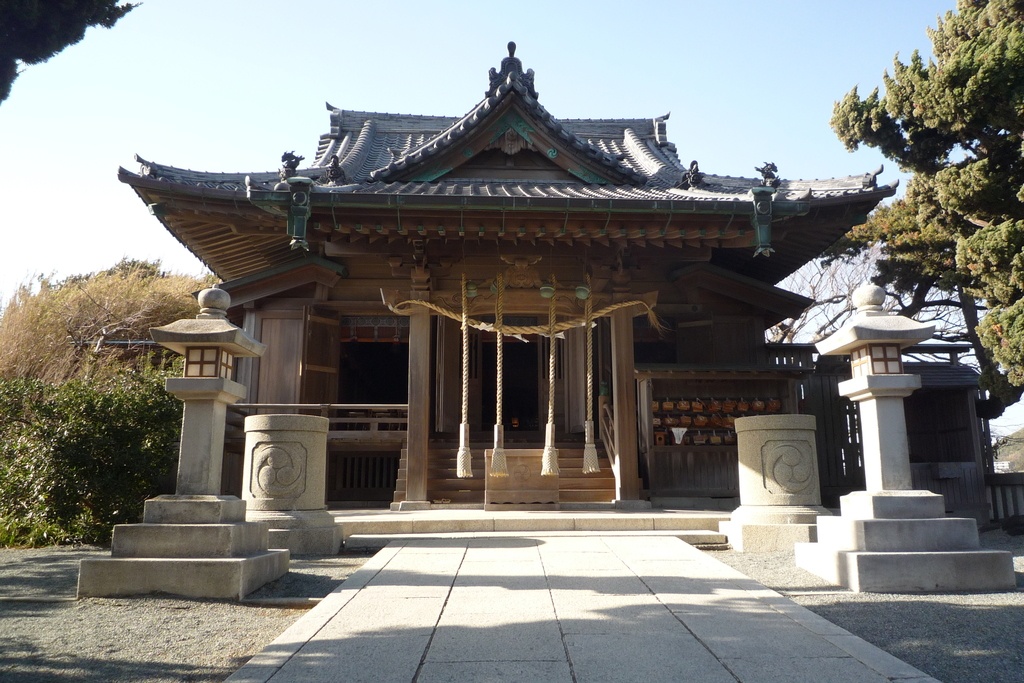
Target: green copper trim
588,176
430,174
512,121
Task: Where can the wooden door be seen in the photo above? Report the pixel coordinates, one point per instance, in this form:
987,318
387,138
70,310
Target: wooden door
321,354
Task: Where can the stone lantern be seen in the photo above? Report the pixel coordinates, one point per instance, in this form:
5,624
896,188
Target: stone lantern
891,538
196,542
209,343
875,341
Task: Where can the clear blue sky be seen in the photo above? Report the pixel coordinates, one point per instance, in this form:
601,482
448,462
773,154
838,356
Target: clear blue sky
228,85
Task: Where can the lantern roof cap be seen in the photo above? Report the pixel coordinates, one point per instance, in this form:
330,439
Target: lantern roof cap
210,329
872,324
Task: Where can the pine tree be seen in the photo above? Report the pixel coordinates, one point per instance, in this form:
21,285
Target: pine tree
957,124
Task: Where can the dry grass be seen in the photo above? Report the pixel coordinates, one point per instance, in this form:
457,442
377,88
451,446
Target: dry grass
54,331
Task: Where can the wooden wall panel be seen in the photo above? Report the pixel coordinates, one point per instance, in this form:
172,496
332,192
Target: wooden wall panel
279,366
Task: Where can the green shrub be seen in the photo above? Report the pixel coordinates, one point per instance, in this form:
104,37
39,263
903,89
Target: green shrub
80,456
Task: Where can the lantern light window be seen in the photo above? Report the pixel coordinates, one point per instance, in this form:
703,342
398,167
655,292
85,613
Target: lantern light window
876,359
208,362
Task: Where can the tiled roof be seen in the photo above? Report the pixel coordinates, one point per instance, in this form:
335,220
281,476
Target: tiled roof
394,163
715,188
937,375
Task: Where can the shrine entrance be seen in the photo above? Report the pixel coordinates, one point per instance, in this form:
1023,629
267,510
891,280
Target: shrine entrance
522,396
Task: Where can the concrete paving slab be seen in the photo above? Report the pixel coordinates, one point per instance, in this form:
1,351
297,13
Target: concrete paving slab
534,608
797,670
613,658
484,640
390,659
610,616
369,614
494,672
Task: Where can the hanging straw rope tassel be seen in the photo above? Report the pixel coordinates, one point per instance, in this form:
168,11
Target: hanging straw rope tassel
464,458
590,463
549,462
499,467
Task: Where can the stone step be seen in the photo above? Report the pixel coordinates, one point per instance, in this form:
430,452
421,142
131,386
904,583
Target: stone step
910,572
182,540
581,521
374,542
221,577
898,535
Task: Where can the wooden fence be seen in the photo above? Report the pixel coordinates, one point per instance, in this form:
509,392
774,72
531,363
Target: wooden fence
1005,494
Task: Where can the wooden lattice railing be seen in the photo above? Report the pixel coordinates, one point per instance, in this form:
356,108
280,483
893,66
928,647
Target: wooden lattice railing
349,422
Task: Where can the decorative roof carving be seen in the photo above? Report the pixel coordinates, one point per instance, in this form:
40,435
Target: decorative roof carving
769,174
289,165
692,178
511,67
335,174
871,178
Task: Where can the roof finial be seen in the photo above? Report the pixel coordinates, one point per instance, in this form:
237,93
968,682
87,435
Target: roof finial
511,70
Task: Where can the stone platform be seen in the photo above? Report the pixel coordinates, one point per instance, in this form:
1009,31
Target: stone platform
195,546
902,542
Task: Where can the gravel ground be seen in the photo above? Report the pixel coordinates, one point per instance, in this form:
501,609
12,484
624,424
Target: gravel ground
47,636
955,637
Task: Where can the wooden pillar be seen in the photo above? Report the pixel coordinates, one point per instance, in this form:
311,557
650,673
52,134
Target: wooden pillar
624,397
419,407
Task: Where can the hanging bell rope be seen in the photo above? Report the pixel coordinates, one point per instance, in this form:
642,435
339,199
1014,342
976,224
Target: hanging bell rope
549,461
590,462
464,458
499,466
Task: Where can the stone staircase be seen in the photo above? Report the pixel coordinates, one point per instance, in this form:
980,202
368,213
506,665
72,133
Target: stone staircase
444,487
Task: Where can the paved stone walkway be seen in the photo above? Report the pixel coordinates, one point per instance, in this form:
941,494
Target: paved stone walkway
563,608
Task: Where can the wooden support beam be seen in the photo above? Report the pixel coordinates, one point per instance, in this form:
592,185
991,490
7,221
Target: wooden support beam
627,485
419,406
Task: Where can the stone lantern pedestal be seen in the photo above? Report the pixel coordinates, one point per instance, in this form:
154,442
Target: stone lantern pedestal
780,499
891,538
196,542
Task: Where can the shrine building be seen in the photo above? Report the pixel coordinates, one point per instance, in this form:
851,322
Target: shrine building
422,279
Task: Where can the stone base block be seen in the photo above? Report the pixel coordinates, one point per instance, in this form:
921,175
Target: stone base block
231,578
767,538
410,506
188,540
632,504
303,532
909,572
520,507
176,509
778,514
694,503
892,505
311,541
524,488
898,535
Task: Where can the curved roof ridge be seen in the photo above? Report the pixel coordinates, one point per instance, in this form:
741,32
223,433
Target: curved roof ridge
653,165
356,158
479,112
152,169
